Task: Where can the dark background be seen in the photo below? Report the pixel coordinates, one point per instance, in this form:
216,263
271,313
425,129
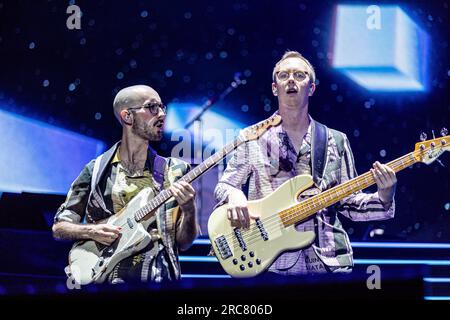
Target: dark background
190,51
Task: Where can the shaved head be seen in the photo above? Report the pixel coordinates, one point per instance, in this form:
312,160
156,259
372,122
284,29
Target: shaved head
133,96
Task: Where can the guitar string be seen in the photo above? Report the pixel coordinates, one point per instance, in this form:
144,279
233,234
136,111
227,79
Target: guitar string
252,235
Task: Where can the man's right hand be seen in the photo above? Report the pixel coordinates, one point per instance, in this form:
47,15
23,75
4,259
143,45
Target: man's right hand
104,233
237,211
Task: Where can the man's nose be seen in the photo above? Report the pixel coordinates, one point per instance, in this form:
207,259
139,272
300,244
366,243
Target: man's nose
291,77
161,112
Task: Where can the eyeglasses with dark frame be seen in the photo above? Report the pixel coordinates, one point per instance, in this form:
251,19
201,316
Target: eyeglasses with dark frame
153,107
298,75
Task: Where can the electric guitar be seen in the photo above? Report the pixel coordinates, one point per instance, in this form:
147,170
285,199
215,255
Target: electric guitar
248,252
90,261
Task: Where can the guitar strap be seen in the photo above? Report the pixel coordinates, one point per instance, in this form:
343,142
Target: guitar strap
159,164
319,146
158,167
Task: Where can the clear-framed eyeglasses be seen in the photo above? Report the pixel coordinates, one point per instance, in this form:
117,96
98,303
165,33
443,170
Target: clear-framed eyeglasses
298,75
152,106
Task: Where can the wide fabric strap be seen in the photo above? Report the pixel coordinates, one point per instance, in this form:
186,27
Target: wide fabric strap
319,145
159,165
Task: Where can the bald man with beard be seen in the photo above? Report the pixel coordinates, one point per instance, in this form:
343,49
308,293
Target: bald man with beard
122,172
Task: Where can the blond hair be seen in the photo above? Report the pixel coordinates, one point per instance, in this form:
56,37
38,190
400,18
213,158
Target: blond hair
295,54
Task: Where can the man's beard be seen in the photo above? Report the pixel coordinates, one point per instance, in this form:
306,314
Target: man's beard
145,131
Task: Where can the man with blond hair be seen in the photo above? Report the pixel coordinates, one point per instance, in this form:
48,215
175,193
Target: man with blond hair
109,182
301,145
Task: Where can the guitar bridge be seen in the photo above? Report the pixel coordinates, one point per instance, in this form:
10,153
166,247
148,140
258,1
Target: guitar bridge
223,247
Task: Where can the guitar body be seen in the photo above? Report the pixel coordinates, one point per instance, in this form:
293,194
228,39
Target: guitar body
266,238
90,261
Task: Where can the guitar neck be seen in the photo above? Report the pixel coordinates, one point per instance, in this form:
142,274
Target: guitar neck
211,161
311,206
166,194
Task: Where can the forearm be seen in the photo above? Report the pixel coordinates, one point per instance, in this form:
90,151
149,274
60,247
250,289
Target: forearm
366,207
362,206
235,175
188,228
64,230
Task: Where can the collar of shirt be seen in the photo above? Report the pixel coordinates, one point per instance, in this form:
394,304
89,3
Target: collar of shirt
284,139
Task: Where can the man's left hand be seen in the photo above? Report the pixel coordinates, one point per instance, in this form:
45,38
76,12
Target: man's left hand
386,181
185,196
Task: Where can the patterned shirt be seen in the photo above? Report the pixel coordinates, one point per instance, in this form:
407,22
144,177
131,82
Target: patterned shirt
271,160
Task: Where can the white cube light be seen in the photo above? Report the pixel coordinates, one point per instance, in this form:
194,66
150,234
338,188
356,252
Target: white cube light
380,47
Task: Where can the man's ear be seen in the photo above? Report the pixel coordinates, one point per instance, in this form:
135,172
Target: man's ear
274,89
312,88
126,117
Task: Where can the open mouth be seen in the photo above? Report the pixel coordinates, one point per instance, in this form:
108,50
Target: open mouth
159,124
291,90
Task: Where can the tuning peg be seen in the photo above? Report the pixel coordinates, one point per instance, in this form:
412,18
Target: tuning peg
423,136
444,132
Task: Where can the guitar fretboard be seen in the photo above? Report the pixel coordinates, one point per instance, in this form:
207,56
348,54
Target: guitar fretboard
166,194
311,206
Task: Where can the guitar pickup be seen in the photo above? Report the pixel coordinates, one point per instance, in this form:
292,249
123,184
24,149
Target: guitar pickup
130,223
223,247
238,234
262,230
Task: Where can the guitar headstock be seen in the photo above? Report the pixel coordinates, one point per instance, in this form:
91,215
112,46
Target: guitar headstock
429,150
255,131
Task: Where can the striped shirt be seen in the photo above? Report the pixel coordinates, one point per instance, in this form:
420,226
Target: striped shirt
271,160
